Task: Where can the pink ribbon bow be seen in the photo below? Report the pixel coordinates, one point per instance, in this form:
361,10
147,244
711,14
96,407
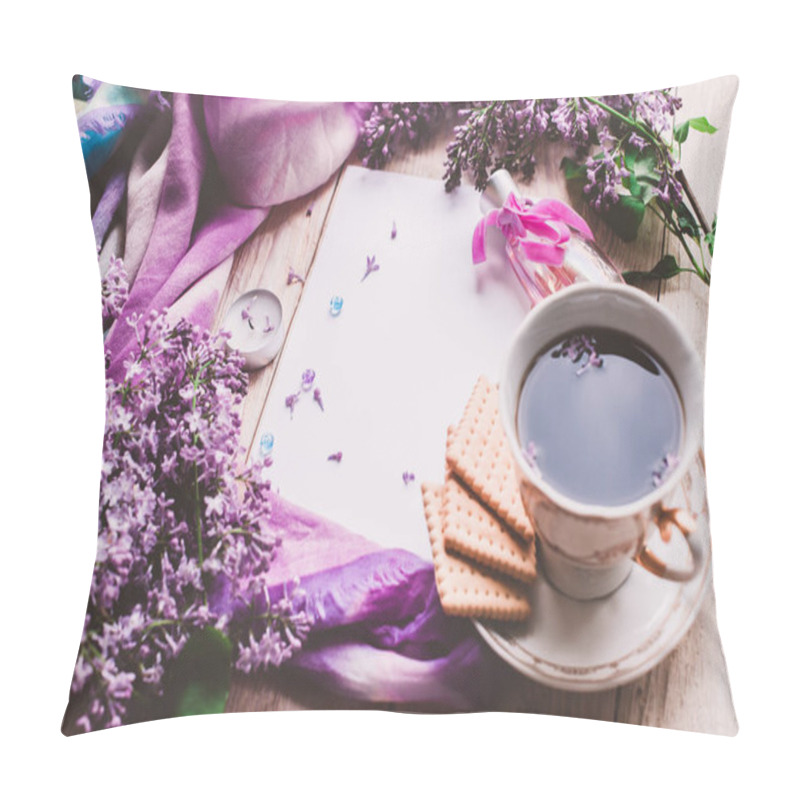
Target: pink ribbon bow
549,221
536,236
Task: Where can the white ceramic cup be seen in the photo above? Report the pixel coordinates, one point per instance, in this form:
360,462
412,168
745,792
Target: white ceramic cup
587,550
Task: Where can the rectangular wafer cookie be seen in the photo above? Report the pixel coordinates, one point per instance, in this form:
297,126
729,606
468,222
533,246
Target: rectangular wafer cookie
478,453
472,531
467,590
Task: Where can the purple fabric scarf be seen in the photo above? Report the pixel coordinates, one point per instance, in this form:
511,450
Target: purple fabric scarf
379,634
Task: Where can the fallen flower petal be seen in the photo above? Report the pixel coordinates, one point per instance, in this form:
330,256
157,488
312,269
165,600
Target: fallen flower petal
307,379
291,401
371,267
293,277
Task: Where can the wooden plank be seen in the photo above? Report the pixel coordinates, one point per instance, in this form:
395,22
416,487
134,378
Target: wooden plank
287,239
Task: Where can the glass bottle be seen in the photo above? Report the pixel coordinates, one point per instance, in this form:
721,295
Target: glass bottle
583,259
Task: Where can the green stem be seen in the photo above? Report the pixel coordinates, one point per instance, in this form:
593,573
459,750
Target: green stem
628,121
700,271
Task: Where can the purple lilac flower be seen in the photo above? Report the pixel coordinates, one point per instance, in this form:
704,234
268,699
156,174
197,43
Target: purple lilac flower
669,188
393,126
636,141
318,399
274,645
114,290
393,234
268,326
472,149
529,453
291,401
577,120
178,519
578,347
593,360
495,135
337,457
371,267
408,477
504,135
293,277
307,379
664,468
656,109
604,174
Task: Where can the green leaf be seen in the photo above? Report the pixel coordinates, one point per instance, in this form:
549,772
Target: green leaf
702,125
572,169
711,236
643,174
645,166
666,268
625,217
199,679
686,221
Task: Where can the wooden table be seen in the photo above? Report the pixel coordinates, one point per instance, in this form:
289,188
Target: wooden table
689,689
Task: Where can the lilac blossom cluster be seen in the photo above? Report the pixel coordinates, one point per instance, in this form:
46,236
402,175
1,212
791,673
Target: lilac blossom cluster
497,135
113,290
391,127
504,134
580,349
184,539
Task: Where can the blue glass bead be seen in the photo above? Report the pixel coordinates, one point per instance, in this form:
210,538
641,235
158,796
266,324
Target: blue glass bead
266,444
336,305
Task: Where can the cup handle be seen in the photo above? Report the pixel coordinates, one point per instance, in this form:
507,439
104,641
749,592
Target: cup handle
667,520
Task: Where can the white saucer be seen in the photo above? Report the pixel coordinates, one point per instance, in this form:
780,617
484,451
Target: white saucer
591,645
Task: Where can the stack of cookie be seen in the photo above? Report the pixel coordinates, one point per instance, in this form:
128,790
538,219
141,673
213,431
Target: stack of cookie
482,540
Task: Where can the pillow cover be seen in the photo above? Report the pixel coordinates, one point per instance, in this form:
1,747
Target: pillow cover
404,406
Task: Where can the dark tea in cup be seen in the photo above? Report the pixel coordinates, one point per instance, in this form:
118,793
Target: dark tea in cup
599,417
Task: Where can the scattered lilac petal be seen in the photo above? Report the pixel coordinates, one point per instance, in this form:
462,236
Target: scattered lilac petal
291,401
307,379
371,267
337,457
575,348
408,477
293,277
394,230
246,313
269,327
318,398
593,361
336,305
664,468
529,453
